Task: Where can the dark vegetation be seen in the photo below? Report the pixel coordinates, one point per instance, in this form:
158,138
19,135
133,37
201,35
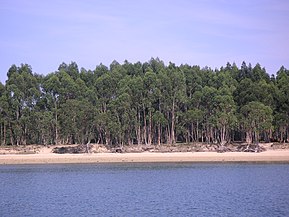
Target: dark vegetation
79,149
144,104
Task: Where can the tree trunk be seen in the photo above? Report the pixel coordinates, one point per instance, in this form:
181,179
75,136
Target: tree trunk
138,133
150,129
255,137
159,134
145,128
56,125
4,134
207,133
173,124
1,134
168,135
249,137
287,132
197,132
11,134
192,132
223,135
24,137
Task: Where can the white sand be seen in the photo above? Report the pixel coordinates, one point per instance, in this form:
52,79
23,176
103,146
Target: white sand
45,157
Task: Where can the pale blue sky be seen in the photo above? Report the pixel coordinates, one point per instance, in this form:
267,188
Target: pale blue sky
198,32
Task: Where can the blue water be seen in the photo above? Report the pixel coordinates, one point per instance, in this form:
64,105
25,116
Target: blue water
145,190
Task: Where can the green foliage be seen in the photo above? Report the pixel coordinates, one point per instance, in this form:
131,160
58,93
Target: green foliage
149,103
255,118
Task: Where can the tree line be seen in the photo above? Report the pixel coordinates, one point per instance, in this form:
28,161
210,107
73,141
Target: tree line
144,103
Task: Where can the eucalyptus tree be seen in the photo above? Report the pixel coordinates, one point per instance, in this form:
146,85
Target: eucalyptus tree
156,65
163,108
76,120
282,105
193,118
136,93
245,92
177,95
259,73
23,93
106,87
143,103
4,113
207,105
51,87
122,115
244,72
224,114
150,97
255,119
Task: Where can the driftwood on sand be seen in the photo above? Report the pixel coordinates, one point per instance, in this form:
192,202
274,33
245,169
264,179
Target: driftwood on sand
79,149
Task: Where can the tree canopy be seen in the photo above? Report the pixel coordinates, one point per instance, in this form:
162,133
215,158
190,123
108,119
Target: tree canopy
144,103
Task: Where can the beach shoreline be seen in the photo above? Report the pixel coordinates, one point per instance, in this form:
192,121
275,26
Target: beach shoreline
274,156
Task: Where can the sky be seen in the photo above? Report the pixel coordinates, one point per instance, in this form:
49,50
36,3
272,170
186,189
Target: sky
209,33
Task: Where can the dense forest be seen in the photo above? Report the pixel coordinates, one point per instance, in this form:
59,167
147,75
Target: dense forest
144,103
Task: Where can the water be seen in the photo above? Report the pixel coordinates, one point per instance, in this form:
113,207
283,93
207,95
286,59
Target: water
145,190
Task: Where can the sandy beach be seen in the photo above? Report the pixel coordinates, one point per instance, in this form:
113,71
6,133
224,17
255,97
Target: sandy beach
51,158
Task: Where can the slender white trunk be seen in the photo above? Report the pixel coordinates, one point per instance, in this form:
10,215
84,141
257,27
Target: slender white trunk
173,124
249,137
